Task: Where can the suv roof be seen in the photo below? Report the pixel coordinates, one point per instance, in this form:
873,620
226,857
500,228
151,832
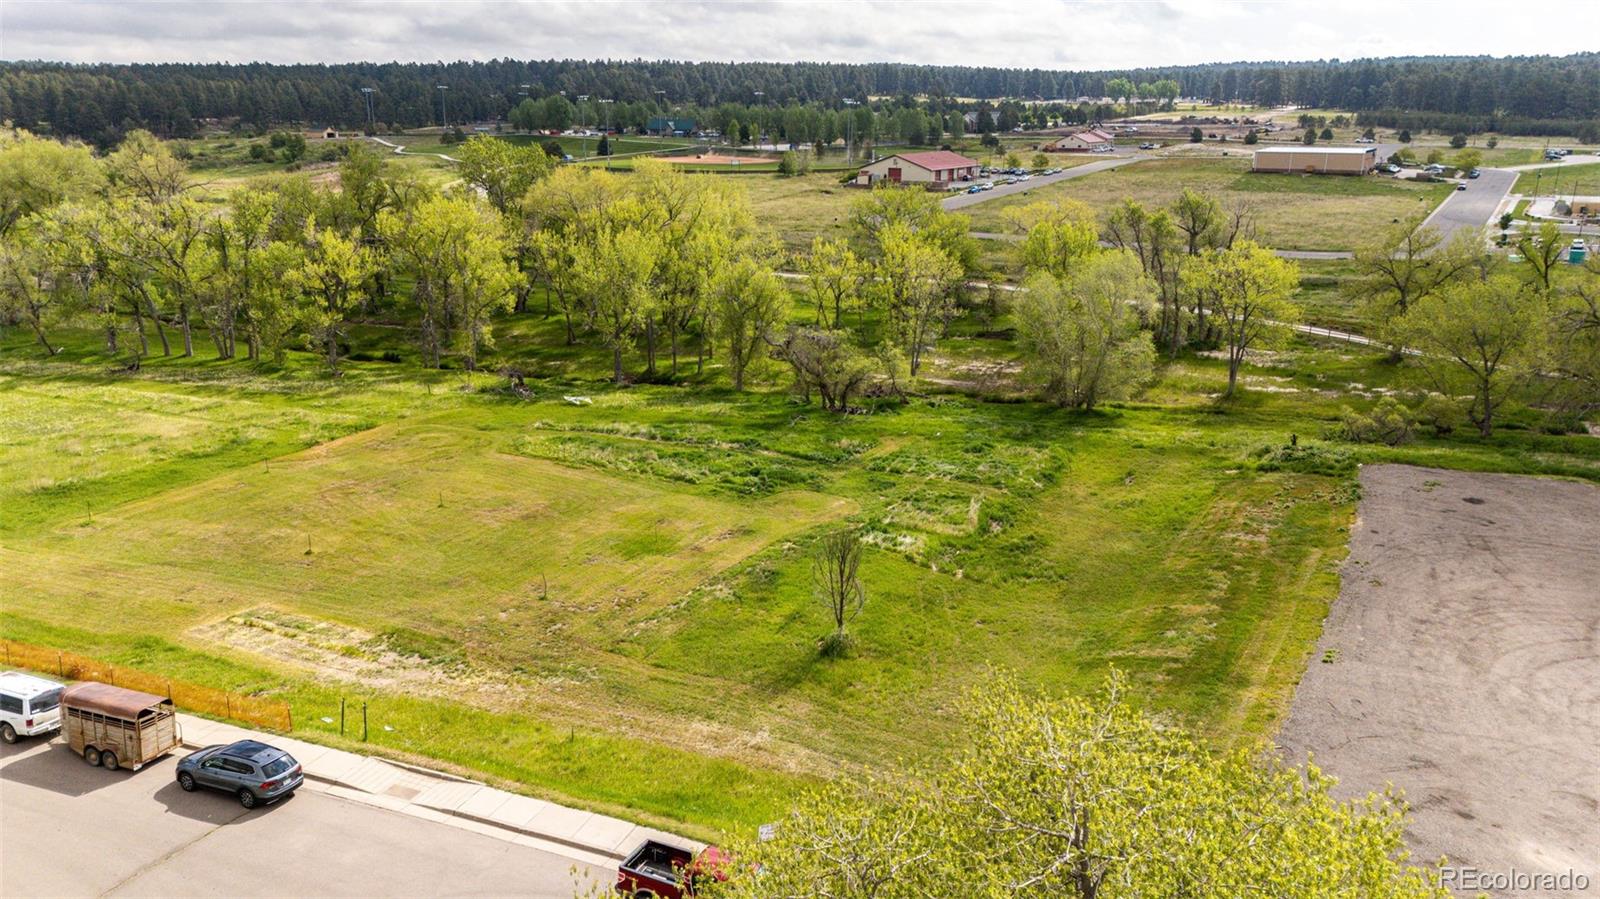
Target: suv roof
251,750
26,685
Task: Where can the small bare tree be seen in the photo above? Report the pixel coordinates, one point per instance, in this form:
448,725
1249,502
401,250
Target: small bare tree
834,568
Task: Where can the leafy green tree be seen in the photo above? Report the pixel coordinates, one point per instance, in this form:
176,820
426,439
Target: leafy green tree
613,281
836,574
1457,141
143,166
1040,161
1480,338
748,302
835,277
27,289
1541,250
921,212
1249,292
1084,798
1082,335
333,279
1404,263
1310,137
37,173
1575,342
1468,160
824,361
502,171
1404,136
1158,245
1251,138
919,281
1058,235
1196,135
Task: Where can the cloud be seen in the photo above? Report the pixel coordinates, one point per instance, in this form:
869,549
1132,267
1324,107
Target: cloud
1083,34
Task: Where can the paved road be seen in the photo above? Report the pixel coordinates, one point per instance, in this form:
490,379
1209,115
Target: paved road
1474,207
963,200
70,830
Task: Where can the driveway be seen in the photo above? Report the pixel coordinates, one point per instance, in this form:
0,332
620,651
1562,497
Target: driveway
1112,160
1461,663
1474,207
71,830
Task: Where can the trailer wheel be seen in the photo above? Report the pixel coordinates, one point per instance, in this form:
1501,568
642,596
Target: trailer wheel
92,756
644,894
108,760
8,733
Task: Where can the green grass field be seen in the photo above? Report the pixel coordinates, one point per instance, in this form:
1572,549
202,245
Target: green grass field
1291,211
610,603
1582,179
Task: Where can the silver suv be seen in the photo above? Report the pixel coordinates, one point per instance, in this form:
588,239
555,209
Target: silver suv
249,769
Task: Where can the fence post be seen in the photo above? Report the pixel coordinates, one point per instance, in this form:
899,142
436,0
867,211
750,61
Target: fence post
169,691
288,716
61,670
341,716
363,722
227,703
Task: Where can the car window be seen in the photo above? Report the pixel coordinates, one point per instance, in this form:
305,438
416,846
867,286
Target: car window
237,766
12,704
278,766
45,701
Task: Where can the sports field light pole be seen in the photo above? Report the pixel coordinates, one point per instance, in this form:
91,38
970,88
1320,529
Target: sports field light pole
761,98
367,92
849,129
444,115
582,99
606,134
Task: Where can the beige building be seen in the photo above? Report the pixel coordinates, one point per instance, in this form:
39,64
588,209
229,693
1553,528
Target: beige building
1316,160
936,168
1082,142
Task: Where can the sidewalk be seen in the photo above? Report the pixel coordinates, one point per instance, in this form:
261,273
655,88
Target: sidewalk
584,836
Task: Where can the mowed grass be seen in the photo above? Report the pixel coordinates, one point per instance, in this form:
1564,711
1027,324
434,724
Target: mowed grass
1581,179
1301,212
801,208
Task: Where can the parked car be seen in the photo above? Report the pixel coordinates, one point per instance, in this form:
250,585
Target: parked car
975,189
657,870
254,772
1461,187
1474,174
1365,140
29,706
112,727
1147,146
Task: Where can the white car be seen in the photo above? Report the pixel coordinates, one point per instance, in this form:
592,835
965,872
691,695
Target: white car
28,706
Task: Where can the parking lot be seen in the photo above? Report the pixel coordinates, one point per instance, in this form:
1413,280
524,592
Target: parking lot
1461,663
67,829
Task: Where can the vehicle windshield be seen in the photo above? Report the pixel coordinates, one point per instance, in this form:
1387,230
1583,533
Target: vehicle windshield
278,766
45,701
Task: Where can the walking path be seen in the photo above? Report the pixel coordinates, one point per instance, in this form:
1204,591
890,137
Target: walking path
584,836
401,151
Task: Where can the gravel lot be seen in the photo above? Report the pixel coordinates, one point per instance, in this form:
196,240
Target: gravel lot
1462,664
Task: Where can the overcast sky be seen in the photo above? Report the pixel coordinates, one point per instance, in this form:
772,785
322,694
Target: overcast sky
1044,33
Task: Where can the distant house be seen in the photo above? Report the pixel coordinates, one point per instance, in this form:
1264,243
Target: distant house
661,126
330,134
936,169
1316,160
1082,142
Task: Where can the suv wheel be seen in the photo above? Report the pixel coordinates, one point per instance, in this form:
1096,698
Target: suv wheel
91,755
186,781
8,733
108,760
247,799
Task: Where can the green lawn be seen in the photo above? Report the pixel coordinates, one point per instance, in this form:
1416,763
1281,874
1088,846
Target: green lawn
1302,212
1581,179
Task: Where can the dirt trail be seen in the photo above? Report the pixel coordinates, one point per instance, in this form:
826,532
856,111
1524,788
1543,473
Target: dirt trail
1461,663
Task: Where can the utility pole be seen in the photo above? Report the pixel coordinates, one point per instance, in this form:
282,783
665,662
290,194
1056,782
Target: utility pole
606,134
444,115
367,92
849,131
582,99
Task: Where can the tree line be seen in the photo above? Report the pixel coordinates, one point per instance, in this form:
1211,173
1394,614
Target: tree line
102,102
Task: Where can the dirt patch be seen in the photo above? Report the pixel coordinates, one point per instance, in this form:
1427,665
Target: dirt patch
1461,663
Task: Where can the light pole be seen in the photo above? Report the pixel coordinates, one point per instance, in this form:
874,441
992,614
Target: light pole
444,114
761,99
849,130
582,99
606,134
366,93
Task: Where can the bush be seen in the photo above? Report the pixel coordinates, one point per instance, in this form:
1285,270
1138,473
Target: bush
794,162
1457,141
1251,138
1307,458
1196,136
1389,423
1441,413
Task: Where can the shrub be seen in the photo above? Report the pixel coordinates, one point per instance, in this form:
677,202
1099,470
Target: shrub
1251,138
1307,458
1457,141
1441,413
1389,422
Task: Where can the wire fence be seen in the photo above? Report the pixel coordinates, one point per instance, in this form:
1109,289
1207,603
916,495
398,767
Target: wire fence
269,713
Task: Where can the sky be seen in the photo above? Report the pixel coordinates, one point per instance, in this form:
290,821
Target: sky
1055,34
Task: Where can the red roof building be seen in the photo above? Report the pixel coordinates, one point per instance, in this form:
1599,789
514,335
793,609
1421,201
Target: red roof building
935,168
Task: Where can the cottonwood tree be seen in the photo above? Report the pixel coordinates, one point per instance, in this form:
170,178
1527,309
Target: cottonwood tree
503,173
918,281
562,212
1156,242
1541,251
748,302
27,285
143,166
824,361
37,174
1249,292
1402,265
612,281
835,276
836,574
1085,798
921,213
1057,235
1082,335
333,279
1481,339
1575,341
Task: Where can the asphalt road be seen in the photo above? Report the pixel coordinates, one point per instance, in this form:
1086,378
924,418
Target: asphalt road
1473,207
1112,160
67,829
1461,663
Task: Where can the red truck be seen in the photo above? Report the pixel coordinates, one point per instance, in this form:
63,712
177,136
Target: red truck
659,870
